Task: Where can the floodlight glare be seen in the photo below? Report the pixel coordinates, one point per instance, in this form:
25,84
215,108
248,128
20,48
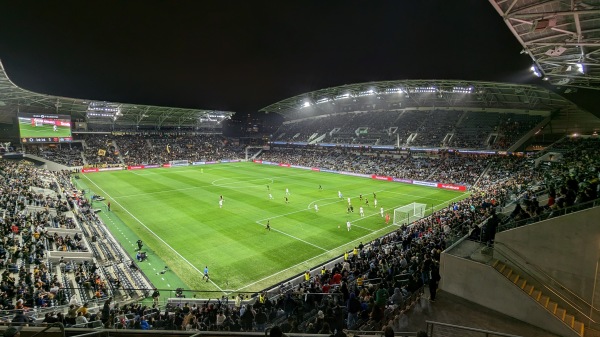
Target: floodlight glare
580,68
535,71
306,104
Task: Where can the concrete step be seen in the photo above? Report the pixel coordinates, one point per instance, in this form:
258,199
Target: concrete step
536,294
514,278
560,313
569,319
544,300
579,327
522,283
500,266
552,307
507,272
529,289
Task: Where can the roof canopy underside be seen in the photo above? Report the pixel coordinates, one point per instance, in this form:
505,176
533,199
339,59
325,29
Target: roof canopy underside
437,95
15,99
562,38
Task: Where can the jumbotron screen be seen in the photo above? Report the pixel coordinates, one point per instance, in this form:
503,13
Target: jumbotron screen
44,128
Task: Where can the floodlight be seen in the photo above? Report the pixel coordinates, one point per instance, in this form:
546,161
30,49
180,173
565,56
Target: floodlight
580,68
306,104
534,69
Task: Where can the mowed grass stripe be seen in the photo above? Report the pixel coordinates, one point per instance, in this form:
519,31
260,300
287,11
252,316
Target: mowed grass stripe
232,240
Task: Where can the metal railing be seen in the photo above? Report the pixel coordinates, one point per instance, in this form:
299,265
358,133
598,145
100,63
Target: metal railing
558,292
437,329
548,215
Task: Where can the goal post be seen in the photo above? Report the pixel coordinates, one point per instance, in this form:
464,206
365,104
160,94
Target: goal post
179,163
406,214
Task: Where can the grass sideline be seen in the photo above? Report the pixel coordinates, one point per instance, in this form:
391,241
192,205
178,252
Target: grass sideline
176,212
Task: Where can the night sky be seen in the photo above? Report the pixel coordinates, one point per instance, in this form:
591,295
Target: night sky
244,55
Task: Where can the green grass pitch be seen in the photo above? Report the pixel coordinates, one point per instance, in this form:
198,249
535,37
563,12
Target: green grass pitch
176,212
26,130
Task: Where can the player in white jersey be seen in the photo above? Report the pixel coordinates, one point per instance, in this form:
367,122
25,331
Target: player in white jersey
361,211
316,208
340,194
348,225
270,196
375,203
220,203
349,201
381,211
287,191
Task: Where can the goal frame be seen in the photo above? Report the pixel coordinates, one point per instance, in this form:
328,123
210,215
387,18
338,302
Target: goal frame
407,214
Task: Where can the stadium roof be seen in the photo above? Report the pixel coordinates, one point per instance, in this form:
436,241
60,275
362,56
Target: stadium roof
561,37
15,99
439,94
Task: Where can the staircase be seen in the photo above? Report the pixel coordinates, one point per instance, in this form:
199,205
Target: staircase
540,297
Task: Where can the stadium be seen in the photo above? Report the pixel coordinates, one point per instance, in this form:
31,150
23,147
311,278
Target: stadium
412,207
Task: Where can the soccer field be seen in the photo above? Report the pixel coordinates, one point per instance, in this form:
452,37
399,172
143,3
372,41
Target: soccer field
27,130
176,212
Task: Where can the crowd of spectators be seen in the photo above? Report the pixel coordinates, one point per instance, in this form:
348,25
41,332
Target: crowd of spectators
470,129
372,288
65,154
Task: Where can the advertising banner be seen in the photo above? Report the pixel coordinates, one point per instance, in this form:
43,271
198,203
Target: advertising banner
452,187
110,169
424,183
376,177
88,170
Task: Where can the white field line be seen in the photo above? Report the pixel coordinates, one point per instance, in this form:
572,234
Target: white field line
336,248
149,230
293,237
272,181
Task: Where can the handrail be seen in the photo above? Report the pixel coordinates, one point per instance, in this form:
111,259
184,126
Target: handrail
495,333
545,284
101,332
53,325
562,286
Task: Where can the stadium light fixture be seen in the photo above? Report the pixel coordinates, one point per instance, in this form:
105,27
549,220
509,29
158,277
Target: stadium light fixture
580,68
306,104
534,69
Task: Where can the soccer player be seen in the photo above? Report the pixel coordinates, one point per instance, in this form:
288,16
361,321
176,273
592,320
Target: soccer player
205,274
286,200
375,203
320,188
381,211
360,197
220,203
316,208
349,201
287,191
387,218
361,211
348,225
268,226
270,196
367,202
55,128
340,194
268,188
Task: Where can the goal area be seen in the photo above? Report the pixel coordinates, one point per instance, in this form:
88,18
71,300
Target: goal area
405,215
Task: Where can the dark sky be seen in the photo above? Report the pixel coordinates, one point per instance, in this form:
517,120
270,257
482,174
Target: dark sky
244,55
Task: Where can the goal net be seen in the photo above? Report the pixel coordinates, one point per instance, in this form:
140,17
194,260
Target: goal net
179,163
405,215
